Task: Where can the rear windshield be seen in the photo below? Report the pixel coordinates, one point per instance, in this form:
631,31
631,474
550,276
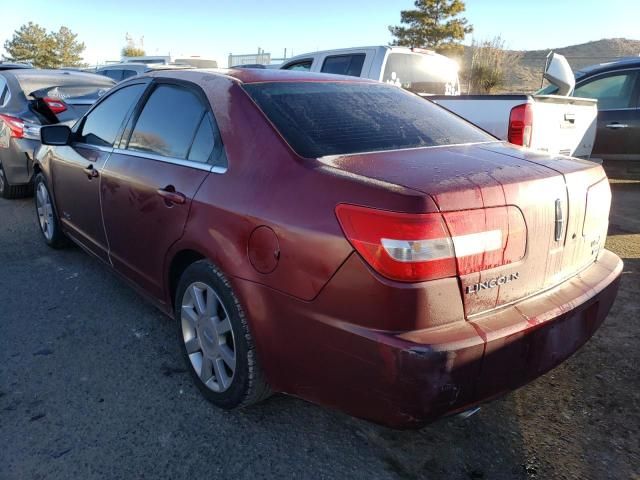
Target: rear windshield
420,73
64,85
319,119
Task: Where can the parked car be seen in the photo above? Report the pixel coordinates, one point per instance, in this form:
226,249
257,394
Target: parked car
337,239
122,71
30,98
616,86
417,70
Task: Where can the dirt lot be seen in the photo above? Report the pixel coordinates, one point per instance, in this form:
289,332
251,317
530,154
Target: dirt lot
92,386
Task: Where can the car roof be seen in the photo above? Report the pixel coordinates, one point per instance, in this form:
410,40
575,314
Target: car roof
346,50
261,75
143,66
15,66
629,62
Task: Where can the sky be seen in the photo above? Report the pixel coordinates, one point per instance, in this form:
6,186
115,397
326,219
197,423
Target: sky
213,29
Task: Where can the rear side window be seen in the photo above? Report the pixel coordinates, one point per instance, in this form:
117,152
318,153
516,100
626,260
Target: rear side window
4,92
128,73
203,143
319,119
168,122
102,124
113,74
344,64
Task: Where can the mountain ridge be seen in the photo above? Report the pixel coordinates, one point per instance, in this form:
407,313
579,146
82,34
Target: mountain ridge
525,75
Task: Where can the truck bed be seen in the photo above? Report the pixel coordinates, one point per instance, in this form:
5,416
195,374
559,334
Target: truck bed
560,125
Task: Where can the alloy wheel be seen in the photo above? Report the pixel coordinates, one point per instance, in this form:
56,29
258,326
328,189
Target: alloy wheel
208,336
45,211
2,182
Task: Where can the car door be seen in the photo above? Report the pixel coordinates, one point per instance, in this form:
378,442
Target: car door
168,149
76,169
618,131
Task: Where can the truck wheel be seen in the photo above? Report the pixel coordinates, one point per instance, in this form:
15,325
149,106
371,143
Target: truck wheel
47,217
11,191
215,340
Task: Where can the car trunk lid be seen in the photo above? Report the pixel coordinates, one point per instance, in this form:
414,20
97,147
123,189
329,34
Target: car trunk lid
548,192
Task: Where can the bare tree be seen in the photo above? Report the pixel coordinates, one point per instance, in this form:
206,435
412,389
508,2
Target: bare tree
133,48
489,63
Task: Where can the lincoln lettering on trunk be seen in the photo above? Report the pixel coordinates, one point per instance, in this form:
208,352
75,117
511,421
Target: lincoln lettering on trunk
493,283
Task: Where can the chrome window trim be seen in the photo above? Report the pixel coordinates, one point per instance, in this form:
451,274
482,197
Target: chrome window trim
619,109
176,161
92,147
609,72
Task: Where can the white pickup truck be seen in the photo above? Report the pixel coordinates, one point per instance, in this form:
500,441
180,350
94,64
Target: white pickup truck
556,124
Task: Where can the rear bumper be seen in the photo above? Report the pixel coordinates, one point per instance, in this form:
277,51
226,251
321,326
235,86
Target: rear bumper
406,380
17,160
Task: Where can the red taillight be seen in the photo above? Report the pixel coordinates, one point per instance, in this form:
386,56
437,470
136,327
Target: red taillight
419,247
55,104
16,125
486,238
520,125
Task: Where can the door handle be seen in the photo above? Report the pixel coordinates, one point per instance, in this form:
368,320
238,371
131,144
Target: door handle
616,126
170,196
91,172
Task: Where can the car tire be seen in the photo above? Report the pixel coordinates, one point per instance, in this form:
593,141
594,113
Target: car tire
46,214
12,191
215,340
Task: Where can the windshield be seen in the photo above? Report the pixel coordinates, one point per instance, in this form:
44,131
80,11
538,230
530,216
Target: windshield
64,85
420,73
319,119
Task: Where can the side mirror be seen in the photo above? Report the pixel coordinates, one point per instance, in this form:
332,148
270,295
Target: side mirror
58,135
559,73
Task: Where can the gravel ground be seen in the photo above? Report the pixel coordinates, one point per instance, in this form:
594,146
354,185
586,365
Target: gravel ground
92,386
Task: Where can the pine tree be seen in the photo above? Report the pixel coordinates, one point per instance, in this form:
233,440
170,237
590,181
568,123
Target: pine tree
32,44
434,24
67,49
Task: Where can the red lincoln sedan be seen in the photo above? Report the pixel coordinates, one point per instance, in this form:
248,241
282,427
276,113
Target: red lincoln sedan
333,238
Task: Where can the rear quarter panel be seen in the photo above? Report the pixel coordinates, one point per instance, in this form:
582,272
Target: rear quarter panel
266,184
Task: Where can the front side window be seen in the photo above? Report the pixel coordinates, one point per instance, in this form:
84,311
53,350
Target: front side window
344,64
612,92
101,126
168,122
336,118
128,74
304,65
